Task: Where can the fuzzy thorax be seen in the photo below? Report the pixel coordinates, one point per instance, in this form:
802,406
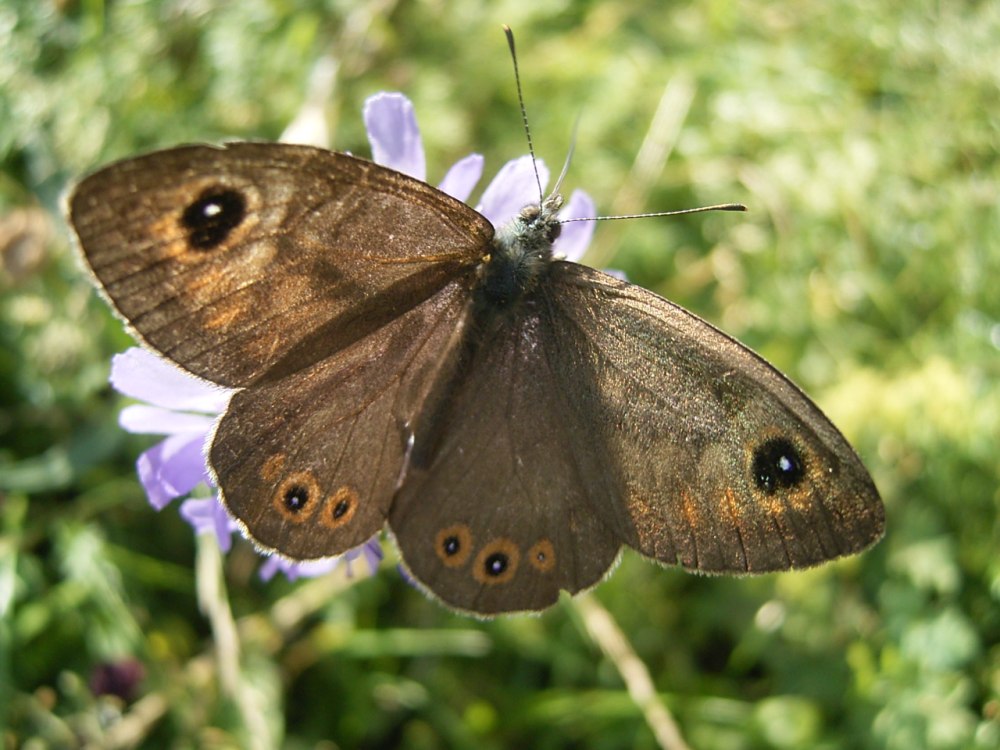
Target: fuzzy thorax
522,250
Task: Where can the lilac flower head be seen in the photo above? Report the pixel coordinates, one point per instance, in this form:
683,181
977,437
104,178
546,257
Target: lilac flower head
184,408
396,143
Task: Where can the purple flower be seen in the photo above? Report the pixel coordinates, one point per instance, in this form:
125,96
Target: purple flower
395,141
184,408
370,551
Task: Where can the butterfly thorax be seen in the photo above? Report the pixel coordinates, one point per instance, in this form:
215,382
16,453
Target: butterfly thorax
521,252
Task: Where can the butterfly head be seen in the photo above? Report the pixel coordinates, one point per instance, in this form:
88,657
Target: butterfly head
521,252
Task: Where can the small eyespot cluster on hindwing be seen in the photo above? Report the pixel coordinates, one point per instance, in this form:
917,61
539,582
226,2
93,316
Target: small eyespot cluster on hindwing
777,465
211,218
497,560
298,496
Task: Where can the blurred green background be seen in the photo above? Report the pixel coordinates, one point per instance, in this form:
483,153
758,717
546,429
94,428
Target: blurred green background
864,137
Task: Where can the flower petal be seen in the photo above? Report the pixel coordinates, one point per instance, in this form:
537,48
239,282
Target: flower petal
145,376
171,468
512,189
207,515
296,569
394,135
370,551
575,236
154,420
462,177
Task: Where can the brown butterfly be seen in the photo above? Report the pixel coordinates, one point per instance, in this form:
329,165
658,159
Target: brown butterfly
515,418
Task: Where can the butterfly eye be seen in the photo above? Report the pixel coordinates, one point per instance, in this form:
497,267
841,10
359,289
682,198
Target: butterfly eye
496,562
777,465
453,545
210,219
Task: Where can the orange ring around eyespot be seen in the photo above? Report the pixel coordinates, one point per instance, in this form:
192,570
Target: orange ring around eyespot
542,556
305,481
343,494
503,547
460,534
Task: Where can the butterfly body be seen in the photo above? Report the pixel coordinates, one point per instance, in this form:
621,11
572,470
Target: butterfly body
521,252
516,419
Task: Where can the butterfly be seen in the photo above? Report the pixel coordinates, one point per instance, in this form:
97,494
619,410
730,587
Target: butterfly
515,419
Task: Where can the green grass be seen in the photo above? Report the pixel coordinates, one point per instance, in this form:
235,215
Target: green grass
865,140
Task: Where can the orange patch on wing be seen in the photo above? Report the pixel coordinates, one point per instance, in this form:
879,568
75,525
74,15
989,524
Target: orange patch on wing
223,317
644,519
170,238
272,467
690,509
732,508
783,502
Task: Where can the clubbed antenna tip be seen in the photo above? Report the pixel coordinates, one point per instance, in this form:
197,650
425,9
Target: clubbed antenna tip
524,112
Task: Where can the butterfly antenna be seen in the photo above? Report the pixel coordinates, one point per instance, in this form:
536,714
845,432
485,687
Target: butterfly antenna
569,156
524,112
700,209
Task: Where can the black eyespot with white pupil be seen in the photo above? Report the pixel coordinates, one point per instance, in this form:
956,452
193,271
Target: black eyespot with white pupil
341,508
211,218
451,546
777,465
296,498
496,564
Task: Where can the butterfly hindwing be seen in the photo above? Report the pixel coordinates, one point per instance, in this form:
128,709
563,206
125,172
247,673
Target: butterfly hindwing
309,463
504,503
594,414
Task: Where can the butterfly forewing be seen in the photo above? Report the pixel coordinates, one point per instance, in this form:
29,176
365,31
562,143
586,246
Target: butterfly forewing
264,258
722,464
